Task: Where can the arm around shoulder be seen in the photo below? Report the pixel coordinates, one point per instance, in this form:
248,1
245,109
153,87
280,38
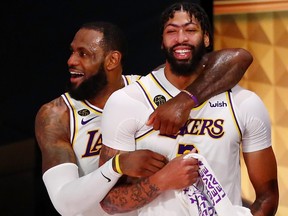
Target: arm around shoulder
219,71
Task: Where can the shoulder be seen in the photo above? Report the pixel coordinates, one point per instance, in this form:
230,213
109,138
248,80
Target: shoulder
128,79
57,105
245,97
124,94
52,112
129,99
249,105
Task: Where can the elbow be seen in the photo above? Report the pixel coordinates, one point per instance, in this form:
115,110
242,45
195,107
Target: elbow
63,208
267,199
107,209
244,57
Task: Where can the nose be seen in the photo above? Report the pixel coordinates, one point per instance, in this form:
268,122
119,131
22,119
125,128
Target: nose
73,59
182,36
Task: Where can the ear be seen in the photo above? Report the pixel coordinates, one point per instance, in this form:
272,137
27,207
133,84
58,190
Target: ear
113,60
206,39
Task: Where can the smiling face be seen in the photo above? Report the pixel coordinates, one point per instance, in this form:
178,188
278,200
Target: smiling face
86,64
184,42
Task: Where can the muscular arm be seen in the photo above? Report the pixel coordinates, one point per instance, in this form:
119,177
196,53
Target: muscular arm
125,197
262,170
70,193
130,194
223,70
52,134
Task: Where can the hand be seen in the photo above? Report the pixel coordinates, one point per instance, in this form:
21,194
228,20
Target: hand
177,174
171,116
141,163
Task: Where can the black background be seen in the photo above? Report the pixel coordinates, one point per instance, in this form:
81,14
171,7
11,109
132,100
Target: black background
35,39
35,48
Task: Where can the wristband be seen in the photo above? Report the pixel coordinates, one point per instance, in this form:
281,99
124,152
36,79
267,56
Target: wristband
191,96
117,164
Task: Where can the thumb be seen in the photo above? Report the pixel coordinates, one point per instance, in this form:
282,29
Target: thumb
194,150
150,119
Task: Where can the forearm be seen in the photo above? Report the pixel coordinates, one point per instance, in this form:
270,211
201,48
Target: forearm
266,203
129,197
72,195
222,70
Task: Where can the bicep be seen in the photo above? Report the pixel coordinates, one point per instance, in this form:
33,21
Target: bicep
230,57
121,119
52,135
262,168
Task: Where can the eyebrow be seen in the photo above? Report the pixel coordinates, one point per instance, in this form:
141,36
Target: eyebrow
184,25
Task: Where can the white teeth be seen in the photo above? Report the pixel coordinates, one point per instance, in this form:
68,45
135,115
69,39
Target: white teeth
182,51
75,73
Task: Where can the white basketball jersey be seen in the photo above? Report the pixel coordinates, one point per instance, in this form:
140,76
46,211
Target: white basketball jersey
215,129
85,122
211,129
86,138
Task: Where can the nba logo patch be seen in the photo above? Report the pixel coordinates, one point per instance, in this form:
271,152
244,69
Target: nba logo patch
159,99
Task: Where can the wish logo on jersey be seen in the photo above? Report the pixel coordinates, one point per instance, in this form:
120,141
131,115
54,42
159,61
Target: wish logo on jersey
218,104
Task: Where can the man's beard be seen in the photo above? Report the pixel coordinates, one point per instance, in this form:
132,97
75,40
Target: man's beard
185,67
89,88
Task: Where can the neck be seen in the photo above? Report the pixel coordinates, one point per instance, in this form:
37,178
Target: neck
101,98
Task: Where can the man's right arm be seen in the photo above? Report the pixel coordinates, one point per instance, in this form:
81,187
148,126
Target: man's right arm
70,193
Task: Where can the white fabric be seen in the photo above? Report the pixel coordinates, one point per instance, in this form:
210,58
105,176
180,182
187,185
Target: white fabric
253,119
207,196
72,195
216,129
85,130
77,189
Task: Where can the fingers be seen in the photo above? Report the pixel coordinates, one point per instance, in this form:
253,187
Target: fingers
142,163
155,162
164,122
194,150
178,173
174,130
151,119
166,126
159,157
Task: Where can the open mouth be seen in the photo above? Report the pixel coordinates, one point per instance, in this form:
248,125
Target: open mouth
76,74
182,53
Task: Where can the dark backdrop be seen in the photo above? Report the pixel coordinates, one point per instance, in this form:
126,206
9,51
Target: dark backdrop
35,48
35,38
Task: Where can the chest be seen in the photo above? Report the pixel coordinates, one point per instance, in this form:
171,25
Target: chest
85,134
211,128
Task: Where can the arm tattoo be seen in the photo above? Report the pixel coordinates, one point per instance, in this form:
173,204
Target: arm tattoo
129,197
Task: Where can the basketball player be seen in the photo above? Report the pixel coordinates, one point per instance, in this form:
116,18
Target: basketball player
68,128
214,129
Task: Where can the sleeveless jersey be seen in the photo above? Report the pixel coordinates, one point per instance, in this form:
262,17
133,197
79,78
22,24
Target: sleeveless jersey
215,129
85,132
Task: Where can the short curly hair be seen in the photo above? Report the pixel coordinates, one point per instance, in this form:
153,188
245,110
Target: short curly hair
192,9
